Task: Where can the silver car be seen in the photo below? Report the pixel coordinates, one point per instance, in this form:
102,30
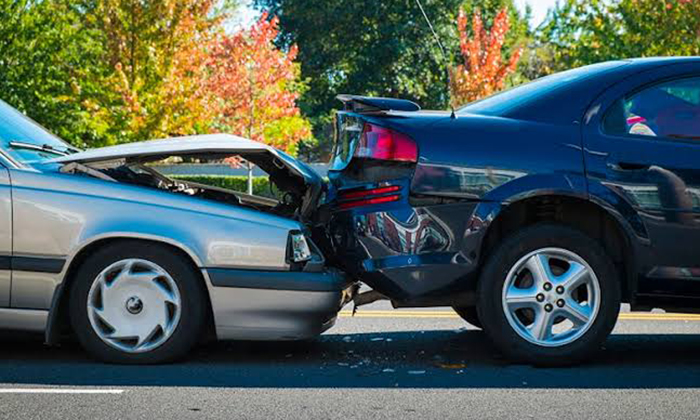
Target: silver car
140,267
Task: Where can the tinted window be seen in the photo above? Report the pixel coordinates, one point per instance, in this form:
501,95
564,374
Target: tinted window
508,100
669,109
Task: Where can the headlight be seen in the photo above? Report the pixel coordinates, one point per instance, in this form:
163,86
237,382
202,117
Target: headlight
299,248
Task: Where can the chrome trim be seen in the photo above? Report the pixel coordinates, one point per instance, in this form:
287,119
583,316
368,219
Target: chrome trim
9,162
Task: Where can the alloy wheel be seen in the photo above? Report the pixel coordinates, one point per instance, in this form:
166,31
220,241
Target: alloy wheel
551,297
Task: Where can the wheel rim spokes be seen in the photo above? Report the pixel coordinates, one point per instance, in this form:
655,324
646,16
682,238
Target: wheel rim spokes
551,297
134,305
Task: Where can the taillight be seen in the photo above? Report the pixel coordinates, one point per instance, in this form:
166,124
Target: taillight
384,144
358,198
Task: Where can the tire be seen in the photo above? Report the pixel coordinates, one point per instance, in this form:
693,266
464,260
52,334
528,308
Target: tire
505,294
469,314
137,285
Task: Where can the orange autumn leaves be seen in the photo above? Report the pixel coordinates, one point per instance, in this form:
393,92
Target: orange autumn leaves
484,70
158,52
256,87
176,72
172,70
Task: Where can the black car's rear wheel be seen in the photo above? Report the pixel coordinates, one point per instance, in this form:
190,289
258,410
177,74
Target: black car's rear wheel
135,302
549,295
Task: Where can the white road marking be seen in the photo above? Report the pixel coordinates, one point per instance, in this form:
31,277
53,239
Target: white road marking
58,391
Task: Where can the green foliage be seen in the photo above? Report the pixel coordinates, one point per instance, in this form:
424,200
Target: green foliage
261,184
370,47
48,66
101,72
581,32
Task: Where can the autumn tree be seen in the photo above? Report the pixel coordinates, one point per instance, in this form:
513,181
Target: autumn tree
157,52
484,70
375,48
256,86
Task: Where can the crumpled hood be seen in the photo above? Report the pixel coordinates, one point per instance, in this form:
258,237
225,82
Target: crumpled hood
208,143
287,172
189,145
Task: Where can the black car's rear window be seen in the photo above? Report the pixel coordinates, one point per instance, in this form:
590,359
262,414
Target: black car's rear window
508,100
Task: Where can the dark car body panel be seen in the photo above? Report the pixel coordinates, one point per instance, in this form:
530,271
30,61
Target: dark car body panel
471,168
654,176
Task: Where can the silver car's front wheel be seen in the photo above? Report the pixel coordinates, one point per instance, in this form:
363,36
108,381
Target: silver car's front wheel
134,305
138,302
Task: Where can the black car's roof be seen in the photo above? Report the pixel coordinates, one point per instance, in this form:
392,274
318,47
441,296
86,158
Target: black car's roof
661,60
566,95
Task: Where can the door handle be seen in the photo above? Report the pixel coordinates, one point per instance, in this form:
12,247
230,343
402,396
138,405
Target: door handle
631,166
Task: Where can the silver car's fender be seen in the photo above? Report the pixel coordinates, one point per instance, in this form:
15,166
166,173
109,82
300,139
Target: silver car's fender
56,217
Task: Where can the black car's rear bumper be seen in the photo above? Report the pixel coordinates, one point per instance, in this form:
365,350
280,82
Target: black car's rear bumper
409,252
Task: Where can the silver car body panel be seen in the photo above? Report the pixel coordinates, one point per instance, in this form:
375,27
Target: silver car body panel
54,216
57,215
267,314
23,319
5,236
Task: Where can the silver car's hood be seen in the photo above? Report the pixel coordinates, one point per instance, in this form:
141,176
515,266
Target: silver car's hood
287,172
190,145
208,143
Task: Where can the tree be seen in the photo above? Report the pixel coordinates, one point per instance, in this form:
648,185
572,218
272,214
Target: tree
257,86
581,32
369,47
48,65
484,70
157,54
100,72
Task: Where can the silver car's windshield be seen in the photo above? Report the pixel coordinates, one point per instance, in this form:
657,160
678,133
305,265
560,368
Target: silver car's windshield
25,140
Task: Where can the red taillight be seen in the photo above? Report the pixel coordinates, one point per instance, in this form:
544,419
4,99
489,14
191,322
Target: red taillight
359,198
382,143
354,195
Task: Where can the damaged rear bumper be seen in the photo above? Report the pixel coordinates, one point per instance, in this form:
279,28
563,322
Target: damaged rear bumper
275,305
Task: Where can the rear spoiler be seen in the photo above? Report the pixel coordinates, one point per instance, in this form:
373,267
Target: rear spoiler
367,105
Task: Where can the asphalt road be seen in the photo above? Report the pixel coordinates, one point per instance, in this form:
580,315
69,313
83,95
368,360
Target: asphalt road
380,364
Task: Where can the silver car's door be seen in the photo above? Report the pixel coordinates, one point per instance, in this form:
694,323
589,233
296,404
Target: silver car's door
5,236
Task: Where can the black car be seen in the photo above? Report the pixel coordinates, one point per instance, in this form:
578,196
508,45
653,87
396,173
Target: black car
535,212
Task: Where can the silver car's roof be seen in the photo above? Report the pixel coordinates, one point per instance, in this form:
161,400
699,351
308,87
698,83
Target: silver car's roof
207,143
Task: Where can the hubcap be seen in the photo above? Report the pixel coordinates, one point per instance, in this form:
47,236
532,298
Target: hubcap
134,305
551,297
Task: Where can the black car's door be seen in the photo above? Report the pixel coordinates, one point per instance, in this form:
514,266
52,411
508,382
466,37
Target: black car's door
642,147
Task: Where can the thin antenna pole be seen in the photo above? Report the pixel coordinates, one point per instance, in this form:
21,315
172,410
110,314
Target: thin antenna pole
430,25
442,51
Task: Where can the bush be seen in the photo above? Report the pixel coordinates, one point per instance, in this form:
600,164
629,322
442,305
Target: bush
261,184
